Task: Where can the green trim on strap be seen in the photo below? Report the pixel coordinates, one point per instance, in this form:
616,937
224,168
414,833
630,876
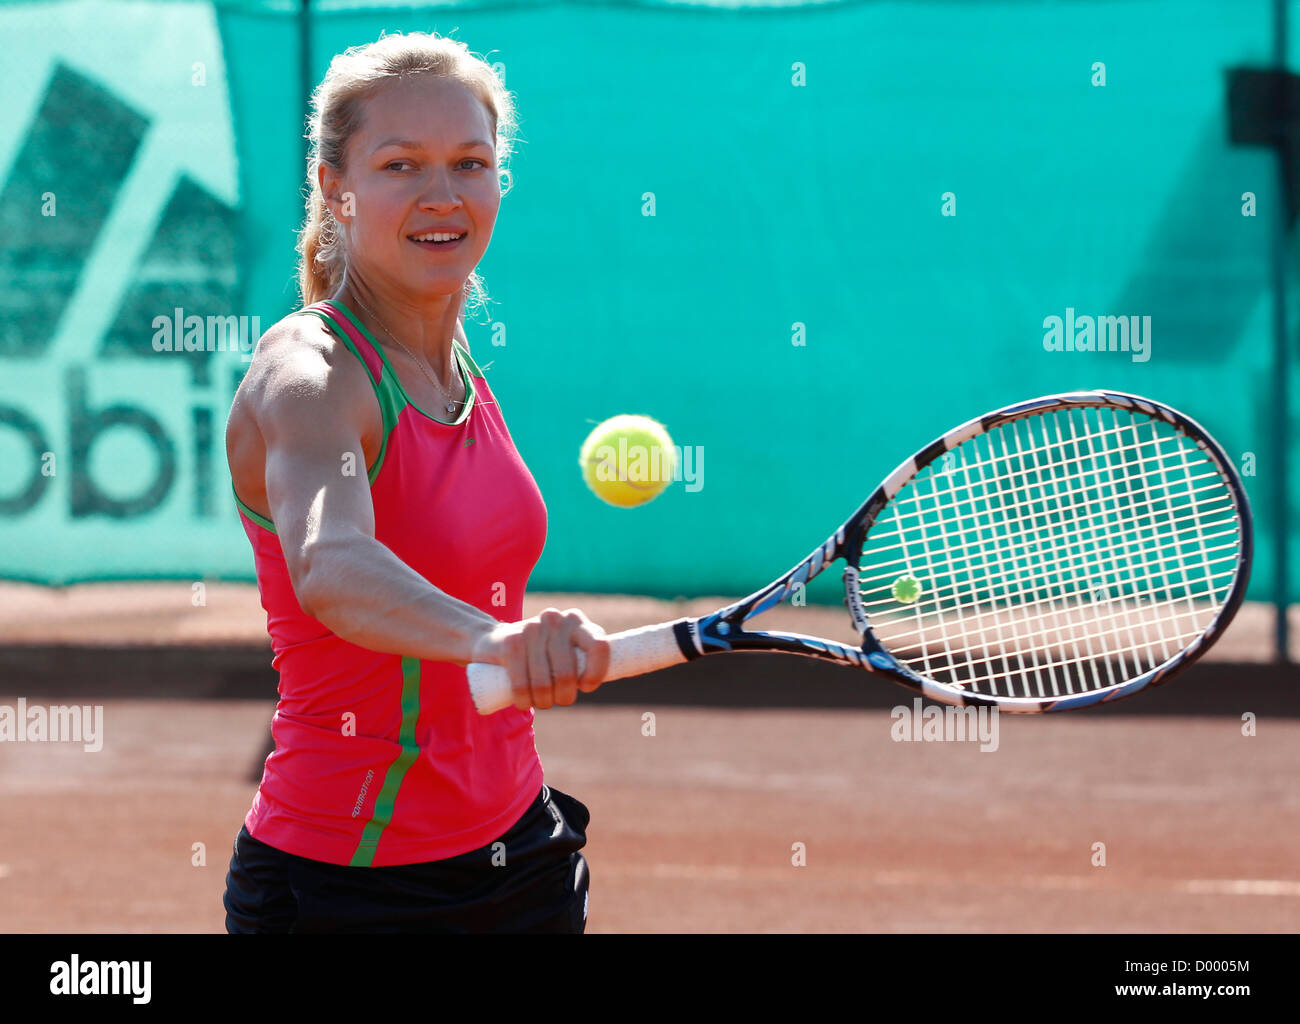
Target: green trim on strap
473,366
470,391
383,812
391,399
259,520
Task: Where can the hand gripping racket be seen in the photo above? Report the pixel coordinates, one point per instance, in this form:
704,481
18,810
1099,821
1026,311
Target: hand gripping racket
1051,555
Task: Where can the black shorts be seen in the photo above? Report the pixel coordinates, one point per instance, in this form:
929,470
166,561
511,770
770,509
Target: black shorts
541,887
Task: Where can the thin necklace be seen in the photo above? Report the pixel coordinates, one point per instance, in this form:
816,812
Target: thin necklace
451,402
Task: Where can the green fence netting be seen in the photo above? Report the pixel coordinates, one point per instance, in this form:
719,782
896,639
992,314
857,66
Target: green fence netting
863,216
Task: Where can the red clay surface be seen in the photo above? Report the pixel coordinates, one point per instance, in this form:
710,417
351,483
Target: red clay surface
693,829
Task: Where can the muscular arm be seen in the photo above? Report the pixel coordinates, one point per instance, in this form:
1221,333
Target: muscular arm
310,414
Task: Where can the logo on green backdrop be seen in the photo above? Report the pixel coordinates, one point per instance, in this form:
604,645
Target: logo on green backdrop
119,202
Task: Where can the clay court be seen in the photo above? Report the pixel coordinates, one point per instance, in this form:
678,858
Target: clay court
694,829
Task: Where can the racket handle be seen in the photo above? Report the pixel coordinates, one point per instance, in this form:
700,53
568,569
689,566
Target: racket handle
631,653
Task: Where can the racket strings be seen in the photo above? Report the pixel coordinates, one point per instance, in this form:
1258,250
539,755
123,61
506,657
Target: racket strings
1054,564
1084,490
1049,618
1056,546
1110,555
1218,507
1144,552
888,569
1106,642
1215,487
1102,535
1068,462
997,484
1052,660
903,515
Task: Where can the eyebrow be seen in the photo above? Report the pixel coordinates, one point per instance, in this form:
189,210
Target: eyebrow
410,144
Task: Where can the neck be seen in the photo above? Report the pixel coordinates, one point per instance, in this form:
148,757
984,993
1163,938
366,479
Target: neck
426,329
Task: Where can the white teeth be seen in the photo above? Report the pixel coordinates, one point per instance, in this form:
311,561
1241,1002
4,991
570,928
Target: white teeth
437,236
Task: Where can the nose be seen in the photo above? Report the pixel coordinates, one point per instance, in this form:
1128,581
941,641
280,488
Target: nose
440,190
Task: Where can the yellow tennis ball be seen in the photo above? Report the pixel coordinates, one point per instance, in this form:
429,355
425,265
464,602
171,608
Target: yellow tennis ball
628,460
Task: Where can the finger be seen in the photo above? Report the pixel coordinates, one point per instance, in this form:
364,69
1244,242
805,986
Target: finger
580,615
539,667
595,648
515,661
583,621
564,660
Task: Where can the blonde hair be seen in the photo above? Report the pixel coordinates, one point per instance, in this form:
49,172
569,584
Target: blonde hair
338,103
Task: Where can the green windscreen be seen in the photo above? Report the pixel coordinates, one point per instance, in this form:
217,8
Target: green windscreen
808,238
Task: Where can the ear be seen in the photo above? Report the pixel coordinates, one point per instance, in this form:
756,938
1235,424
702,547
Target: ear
330,182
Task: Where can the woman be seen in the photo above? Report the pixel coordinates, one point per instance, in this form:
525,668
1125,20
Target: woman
394,527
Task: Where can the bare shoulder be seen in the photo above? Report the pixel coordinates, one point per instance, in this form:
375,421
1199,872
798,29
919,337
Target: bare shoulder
303,397
298,367
296,356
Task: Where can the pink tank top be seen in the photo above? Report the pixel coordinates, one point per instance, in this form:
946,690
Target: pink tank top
381,759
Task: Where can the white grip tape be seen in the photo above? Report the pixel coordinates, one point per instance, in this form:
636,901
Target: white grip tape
631,653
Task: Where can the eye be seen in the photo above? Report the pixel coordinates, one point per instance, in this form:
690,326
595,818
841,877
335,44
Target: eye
394,163
473,160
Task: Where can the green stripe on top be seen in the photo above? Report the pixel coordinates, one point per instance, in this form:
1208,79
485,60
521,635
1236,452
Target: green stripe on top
390,377
469,359
259,520
392,399
384,802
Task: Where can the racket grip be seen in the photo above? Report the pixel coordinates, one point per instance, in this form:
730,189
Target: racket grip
631,653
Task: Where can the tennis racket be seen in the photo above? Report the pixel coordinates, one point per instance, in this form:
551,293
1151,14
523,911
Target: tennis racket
1055,554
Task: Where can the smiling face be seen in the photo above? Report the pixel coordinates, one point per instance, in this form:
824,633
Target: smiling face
422,163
